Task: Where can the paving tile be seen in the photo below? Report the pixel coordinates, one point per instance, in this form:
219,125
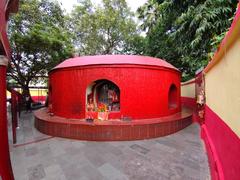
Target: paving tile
54,172
171,143
36,172
31,151
139,167
165,149
111,173
91,173
54,169
139,149
177,156
55,177
83,178
95,159
22,177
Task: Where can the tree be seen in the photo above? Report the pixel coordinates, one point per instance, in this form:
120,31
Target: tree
135,45
102,29
39,41
186,31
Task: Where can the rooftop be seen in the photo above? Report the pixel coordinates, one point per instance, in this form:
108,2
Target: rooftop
114,60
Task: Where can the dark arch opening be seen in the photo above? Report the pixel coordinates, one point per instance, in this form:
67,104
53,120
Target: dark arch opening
104,92
172,97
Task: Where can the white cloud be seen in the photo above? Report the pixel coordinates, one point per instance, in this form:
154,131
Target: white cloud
135,4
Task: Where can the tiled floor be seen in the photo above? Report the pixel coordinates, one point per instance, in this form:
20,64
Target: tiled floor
38,156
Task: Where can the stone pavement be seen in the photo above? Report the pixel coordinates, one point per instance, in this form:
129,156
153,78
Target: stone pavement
37,156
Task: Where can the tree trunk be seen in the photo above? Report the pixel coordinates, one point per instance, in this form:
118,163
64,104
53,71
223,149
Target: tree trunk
26,92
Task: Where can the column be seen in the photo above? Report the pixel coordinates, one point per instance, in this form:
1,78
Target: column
5,163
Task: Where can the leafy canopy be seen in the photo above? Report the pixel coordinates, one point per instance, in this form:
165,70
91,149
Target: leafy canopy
39,40
102,29
186,32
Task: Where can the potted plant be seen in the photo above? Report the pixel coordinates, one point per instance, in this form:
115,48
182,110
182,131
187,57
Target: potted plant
102,111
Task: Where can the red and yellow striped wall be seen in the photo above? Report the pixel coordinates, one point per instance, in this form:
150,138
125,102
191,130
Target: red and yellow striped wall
188,93
221,128
37,94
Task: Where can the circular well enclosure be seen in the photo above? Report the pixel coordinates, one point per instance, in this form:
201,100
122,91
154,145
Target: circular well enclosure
137,87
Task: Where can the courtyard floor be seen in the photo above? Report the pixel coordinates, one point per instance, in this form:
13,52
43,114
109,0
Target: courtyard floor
37,156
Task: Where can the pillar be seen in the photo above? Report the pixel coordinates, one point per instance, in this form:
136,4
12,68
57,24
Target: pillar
5,162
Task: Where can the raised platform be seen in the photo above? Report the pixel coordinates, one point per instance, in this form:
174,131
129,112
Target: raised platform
111,130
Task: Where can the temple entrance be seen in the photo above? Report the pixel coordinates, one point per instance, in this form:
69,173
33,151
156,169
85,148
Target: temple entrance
103,93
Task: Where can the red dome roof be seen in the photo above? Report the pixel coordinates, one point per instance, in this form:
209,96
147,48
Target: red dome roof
114,59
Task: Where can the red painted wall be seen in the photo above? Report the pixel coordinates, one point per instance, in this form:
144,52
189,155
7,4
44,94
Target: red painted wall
6,7
2,15
5,163
143,89
191,103
223,147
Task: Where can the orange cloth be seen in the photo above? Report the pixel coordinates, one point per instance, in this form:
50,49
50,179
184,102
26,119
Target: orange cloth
90,111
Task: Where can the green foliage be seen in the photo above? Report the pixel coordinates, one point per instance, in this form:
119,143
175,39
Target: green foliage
39,40
135,45
186,33
102,29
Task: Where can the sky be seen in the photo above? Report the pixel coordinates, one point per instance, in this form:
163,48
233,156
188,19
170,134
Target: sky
133,4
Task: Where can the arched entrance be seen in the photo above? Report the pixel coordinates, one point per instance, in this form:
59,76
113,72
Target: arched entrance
172,97
104,92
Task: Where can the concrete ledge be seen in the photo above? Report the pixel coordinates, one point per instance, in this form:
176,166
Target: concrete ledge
111,130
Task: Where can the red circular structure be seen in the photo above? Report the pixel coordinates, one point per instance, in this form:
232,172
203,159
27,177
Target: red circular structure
144,87
142,95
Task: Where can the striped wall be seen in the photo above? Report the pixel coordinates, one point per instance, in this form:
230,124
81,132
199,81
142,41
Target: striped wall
221,129
188,89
